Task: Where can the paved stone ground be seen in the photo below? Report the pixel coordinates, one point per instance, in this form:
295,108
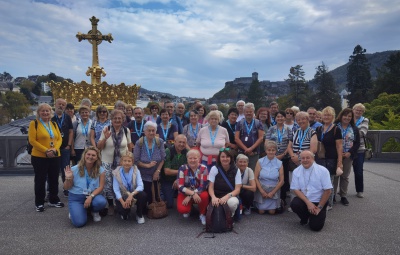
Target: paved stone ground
367,226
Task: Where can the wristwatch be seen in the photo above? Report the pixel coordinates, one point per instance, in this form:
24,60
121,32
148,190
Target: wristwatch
230,194
320,207
92,195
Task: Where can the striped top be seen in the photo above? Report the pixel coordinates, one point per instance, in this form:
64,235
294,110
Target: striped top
298,139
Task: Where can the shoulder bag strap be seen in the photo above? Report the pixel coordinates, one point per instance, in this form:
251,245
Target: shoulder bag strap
225,178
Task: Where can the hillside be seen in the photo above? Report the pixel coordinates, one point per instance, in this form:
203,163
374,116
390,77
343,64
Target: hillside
236,91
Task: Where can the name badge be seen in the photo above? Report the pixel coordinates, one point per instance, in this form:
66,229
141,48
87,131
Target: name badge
51,144
246,138
62,134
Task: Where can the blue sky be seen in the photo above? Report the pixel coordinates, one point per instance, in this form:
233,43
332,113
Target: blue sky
192,47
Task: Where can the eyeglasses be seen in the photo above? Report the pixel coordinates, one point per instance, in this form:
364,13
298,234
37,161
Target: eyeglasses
224,149
291,113
102,111
154,109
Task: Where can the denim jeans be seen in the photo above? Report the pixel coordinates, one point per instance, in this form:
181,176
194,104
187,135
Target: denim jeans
358,167
168,193
79,212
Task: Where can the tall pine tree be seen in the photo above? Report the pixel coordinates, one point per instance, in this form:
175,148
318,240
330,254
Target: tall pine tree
327,94
359,82
389,76
256,94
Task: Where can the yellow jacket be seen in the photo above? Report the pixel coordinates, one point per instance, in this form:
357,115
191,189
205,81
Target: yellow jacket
40,139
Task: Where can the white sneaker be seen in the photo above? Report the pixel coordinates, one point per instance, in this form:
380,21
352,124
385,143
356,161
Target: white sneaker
360,194
329,207
69,216
203,219
140,220
290,209
247,211
186,215
96,216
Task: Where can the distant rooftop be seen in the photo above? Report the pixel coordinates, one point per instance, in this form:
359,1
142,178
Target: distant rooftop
14,128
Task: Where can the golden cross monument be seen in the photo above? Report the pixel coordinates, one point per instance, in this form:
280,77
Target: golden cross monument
95,37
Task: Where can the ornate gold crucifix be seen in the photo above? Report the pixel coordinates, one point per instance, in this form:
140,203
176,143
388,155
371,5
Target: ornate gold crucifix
95,37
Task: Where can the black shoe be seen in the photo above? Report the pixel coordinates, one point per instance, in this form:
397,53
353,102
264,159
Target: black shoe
344,201
57,205
66,193
40,208
334,199
303,222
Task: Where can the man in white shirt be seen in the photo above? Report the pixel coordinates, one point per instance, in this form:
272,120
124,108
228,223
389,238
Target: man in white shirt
312,186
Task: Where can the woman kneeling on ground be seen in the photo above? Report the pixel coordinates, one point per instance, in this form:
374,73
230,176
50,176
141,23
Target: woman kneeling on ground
85,183
128,189
269,179
193,186
225,181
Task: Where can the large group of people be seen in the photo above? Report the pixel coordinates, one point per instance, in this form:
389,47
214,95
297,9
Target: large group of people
252,161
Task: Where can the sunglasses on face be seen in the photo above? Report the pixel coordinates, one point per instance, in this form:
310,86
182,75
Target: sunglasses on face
291,113
102,111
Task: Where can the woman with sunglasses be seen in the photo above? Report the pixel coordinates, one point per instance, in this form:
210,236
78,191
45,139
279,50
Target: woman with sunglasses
153,113
99,124
192,129
211,138
289,120
225,181
281,134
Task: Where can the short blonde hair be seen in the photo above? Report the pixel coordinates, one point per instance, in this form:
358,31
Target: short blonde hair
41,107
329,110
359,105
84,108
269,144
128,154
302,114
242,156
214,114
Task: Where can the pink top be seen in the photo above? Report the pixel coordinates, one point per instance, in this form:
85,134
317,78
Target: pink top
204,139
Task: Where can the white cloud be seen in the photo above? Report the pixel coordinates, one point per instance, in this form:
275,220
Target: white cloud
194,49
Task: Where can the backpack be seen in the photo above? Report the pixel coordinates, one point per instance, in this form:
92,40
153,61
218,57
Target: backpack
218,219
29,146
141,141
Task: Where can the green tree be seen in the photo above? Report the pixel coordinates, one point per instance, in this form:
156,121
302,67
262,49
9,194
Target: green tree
380,106
297,82
388,79
15,105
359,82
26,88
392,123
256,94
326,95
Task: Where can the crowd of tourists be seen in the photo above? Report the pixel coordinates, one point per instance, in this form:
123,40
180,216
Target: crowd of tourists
266,161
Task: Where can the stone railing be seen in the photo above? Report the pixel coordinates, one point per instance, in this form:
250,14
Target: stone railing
11,146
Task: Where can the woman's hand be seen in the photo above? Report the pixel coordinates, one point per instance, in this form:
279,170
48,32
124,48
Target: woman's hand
50,153
68,172
186,201
151,164
73,154
224,199
264,194
270,194
88,202
156,176
196,198
107,133
215,201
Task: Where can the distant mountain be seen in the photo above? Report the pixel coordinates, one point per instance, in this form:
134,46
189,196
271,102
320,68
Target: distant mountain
376,60
238,88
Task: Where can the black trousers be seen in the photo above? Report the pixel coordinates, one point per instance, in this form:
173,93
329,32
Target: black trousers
316,222
286,185
147,190
140,205
46,168
247,197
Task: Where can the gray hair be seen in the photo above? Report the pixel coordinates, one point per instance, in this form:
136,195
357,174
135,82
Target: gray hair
86,101
119,103
194,152
116,112
269,144
302,115
240,101
149,124
242,156
213,105
250,105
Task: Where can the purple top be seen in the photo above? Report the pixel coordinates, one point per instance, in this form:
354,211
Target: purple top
141,154
249,138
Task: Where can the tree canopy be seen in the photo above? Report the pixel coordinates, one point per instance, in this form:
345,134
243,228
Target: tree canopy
389,76
326,95
359,82
256,94
14,106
